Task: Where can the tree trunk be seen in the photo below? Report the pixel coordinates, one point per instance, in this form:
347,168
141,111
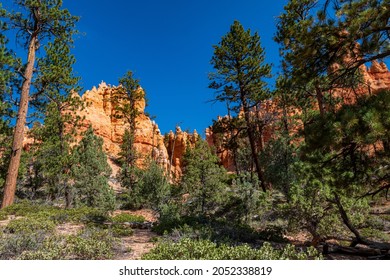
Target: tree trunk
252,141
359,239
231,133
17,144
320,100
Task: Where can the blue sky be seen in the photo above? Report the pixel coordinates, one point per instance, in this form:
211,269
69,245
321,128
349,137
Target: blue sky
168,44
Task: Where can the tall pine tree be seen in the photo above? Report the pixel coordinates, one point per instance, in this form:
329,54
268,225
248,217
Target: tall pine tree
239,80
37,23
91,173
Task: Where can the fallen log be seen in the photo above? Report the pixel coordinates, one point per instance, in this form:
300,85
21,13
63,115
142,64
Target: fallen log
371,253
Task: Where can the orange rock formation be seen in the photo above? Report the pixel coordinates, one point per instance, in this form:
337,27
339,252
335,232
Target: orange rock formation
375,78
101,112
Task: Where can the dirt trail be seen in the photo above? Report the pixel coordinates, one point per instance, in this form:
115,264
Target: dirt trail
133,247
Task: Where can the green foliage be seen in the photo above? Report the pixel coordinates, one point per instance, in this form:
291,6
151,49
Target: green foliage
218,230
90,244
7,75
127,98
188,249
47,74
170,218
33,236
375,234
30,225
277,159
246,196
240,69
55,214
3,216
150,187
204,180
133,93
25,207
125,217
12,246
91,174
240,66
119,230
127,158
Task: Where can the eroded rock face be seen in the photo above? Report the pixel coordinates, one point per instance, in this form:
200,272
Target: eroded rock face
177,143
102,114
375,78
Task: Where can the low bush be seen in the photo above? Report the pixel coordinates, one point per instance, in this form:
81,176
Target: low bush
125,217
13,245
220,231
51,248
25,208
55,214
375,234
3,216
30,225
188,249
91,244
119,230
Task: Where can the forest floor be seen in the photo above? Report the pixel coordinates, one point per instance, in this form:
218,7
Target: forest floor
135,246
143,240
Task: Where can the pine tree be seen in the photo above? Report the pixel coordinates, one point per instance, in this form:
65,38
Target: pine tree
52,155
127,158
59,104
323,47
91,173
38,23
7,61
128,96
239,79
203,179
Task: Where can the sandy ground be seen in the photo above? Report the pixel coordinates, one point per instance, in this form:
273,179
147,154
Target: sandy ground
133,247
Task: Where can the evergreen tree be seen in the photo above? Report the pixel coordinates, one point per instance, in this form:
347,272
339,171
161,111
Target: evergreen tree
6,74
57,103
239,79
129,94
323,46
91,173
204,180
37,23
150,188
51,155
127,157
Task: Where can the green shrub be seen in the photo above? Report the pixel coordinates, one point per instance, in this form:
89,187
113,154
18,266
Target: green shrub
188,249
220,231
86,215
91,244
124,217
55,214
375,234
51,248
170,218
119,230
30,225
13,245
3,216
25,208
